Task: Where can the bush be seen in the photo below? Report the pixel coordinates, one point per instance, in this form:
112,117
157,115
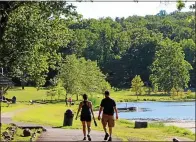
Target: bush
155,88
173,92
95,101
188,93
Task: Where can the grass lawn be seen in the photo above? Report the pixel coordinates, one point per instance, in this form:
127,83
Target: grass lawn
126,96
52,114
31,93
12,107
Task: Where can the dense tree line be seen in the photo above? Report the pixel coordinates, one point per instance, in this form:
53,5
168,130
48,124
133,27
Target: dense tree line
126,47
38,37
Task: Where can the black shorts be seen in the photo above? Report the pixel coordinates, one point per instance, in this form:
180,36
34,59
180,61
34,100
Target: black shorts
86,118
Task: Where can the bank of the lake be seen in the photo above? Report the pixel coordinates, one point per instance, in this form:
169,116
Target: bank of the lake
181,114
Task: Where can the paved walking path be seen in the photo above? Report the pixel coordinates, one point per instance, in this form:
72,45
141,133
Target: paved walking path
54,134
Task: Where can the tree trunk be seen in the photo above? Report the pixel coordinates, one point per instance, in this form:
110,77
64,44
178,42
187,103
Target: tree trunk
77,97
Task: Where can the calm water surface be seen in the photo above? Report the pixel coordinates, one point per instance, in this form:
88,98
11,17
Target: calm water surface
160,110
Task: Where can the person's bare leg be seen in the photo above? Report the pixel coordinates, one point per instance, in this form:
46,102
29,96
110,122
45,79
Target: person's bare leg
89,130
110,131
104,128
89,127
84,128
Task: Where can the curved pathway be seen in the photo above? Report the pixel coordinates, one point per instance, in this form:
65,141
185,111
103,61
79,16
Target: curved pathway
53,134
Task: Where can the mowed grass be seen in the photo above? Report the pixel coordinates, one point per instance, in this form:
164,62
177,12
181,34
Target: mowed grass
12,107
31,93
127,96
53,115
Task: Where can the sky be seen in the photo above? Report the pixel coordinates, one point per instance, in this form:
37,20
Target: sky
124,9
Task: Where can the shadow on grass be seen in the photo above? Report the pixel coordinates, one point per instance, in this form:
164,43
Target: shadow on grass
58,126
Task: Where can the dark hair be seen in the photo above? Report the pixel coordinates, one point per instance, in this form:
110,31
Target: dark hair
107,93
85,97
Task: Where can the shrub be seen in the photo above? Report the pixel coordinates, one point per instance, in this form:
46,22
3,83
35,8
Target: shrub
173,92
95,101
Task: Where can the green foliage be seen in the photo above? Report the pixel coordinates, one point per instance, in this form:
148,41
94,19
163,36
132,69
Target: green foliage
173,92
188,92
82,76
51,93
155,88
57,89
148,90
95,100
137,85
32,37
180,4
170,69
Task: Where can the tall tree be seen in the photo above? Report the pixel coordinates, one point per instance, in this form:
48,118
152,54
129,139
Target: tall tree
32,39
170,69
136,85
81,76
48,8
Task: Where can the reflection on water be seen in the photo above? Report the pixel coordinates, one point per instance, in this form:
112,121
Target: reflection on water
159,110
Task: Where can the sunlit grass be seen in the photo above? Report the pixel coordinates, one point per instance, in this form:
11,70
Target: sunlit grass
53,115
31,93
13,107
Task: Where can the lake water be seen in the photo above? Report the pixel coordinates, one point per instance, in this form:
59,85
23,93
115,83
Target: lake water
160,110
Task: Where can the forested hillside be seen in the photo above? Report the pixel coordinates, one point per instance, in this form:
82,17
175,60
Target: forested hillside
37,40
126,47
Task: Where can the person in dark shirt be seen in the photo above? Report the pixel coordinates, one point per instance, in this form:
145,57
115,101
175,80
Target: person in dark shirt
108,106
66,101
85,117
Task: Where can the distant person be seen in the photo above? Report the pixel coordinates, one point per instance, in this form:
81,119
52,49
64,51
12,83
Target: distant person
108,106
70,101
66,101
85,116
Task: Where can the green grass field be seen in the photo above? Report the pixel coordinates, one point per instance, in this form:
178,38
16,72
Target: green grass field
31,93
12,107
53,115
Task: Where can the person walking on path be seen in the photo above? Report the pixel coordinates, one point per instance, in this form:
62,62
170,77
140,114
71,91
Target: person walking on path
108,106
85,117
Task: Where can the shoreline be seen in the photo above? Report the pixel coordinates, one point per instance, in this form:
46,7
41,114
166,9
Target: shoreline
186,124
134,101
